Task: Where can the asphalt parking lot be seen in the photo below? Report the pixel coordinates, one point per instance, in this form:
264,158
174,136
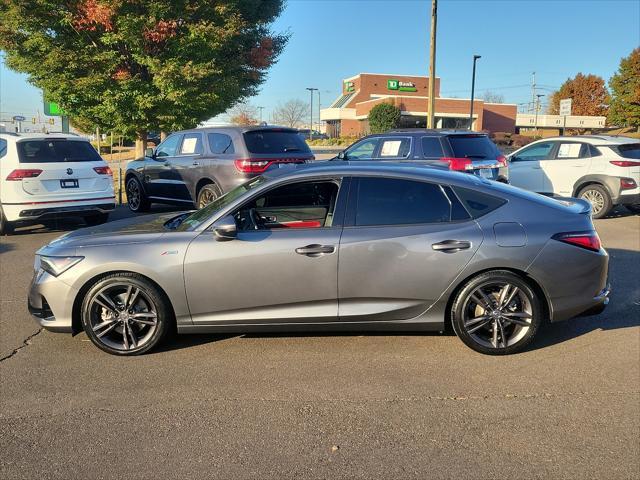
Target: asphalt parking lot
330,406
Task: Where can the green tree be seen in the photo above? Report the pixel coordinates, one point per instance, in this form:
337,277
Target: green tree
139,65
625,92
588,93
383,117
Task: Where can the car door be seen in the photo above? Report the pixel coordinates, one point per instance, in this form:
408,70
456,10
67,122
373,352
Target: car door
402,245
570,161
524,167
187,166
394,149
159,175
285,271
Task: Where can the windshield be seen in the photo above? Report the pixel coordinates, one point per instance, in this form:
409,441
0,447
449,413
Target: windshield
199,216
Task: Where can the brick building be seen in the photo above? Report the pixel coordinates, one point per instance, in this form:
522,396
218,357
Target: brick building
347,115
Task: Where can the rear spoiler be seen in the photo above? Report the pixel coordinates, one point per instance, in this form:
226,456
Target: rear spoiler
576,205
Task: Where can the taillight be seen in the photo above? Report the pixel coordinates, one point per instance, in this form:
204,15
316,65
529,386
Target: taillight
624,163
627,183
588,240
260,165
19,174
103,170
459,164
502,160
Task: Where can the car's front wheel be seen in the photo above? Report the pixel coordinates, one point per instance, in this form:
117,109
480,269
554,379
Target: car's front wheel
125,314
496,313
599,199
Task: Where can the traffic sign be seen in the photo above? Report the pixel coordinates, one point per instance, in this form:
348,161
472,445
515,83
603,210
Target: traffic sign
565,107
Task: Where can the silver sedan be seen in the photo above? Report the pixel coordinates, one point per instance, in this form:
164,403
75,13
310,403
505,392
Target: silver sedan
338,247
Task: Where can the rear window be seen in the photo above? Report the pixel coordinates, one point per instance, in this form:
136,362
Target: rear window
477,203
56,150
630,150
274,141
473,146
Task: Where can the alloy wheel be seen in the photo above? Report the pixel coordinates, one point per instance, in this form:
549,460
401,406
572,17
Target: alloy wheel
206,196
123,317
596,199
133,194
497,314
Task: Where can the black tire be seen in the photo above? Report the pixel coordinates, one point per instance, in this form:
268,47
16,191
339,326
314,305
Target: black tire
148,319
207,194
635,208
97,219
484,331
6,227
599,198
136,198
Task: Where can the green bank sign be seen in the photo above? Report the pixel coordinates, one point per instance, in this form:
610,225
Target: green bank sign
349,87
401,86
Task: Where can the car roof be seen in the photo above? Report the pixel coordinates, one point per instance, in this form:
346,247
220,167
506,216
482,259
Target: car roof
593,139
432,132
240,129
16,137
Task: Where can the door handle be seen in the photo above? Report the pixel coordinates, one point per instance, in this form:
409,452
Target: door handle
451,246
315,250
536,168
195,164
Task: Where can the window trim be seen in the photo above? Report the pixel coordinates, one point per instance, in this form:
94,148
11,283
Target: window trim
232,143
561,142
352,203
184,135
395,137
344,184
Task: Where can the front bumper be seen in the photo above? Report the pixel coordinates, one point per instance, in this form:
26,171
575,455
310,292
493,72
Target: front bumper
50,302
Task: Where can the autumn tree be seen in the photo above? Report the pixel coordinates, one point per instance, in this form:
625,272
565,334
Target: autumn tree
244,114
491,97
291,113
625,92
137,65
588,94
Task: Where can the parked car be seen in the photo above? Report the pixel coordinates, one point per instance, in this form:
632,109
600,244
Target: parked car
331,246
47,176
458,150
197,166
602,169
312,135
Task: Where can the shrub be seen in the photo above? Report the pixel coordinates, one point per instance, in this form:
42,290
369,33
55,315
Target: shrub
383,117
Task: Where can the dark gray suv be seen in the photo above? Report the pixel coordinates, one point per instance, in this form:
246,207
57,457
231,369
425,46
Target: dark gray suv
461,150
194,167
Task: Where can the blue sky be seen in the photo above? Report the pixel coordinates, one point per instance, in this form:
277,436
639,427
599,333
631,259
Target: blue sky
335,39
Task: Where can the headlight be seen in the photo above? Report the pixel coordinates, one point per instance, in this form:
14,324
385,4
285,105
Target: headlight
57,265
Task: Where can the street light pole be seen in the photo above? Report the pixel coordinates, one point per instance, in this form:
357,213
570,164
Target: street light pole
260,108
537,107
473,89
319,107
432,66
311,90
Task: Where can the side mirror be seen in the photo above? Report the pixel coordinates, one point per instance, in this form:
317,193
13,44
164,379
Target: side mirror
150,152
225,229
342,155
512,158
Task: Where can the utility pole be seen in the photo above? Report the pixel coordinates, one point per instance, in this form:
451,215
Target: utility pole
311,90
319,106
432,66
537,108
260,108
533,92
473,88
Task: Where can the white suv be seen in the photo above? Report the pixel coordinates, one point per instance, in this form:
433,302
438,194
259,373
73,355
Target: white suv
602,169
45,176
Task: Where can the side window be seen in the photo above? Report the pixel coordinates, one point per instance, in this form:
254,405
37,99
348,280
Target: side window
191,144
395,147
220,143
478,203
540,151
296,205
3,147
362,150
388,201
431,147
169,146
573,150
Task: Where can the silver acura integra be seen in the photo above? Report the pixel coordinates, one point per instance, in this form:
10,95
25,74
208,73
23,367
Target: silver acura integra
339,247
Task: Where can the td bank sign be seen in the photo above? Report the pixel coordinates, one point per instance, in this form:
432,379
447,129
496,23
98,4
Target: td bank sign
401,86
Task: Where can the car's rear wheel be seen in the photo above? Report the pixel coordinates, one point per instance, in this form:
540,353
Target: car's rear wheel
125,314
599,199
496,313
97,219
136,198
207,194
6,227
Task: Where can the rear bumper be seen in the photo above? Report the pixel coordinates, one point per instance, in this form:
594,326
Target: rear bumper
36,211
600,303
631,198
